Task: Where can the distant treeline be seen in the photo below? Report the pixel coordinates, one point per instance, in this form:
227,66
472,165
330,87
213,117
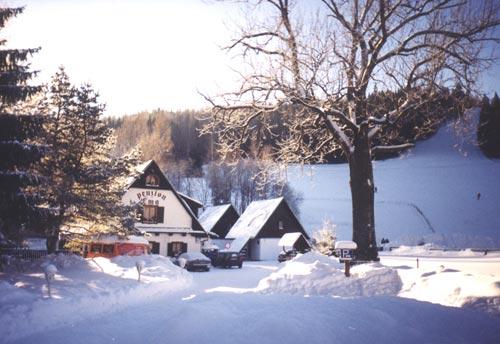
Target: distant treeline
173,138
167,137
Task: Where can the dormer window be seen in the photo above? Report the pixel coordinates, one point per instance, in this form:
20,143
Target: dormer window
152,180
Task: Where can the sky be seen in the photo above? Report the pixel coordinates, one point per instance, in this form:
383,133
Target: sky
139,55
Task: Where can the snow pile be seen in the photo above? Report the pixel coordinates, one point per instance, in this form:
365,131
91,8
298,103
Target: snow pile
316,274
450,287
82,288
431,251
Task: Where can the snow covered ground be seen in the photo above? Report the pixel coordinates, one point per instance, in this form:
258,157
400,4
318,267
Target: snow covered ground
430,194
304,300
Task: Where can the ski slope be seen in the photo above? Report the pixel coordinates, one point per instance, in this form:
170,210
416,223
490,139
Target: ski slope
430,194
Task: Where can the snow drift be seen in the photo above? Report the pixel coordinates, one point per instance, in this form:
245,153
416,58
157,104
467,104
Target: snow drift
82,288
316,274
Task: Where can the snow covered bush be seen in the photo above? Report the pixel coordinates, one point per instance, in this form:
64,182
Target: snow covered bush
325,237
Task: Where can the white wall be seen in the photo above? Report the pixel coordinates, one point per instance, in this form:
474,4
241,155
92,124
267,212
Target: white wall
265,249
193,243
175,216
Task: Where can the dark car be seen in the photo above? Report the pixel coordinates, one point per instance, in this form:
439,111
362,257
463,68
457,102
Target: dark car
227,259
193,261
286,255
224,258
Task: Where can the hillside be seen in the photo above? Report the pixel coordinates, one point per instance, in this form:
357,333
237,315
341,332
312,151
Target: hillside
429,194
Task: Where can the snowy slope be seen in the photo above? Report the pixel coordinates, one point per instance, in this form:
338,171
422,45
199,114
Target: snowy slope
428,194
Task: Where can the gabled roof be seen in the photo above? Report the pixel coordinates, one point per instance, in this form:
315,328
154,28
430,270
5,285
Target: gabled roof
254,218
289,239
142,168
191,199
212,215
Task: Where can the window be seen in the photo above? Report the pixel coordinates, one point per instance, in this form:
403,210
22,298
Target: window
152,180
153,214
280,225
155,247
176,247
96,248
107,249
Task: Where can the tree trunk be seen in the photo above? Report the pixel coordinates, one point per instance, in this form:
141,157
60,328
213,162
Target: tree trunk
363,198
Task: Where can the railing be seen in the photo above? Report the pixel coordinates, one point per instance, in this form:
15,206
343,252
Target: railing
29,254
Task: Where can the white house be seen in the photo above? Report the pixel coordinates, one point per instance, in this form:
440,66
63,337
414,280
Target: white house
169,222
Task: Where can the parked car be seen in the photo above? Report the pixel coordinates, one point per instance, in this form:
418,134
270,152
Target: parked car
286,255
227,259
224,258
192,261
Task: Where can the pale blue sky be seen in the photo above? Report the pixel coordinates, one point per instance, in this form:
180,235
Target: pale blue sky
140,55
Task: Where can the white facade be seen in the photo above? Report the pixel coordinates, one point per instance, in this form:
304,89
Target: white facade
193,243
171,230
264,249
175,217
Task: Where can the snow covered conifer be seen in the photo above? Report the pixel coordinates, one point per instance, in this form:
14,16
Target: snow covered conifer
18,152
325,237
85,181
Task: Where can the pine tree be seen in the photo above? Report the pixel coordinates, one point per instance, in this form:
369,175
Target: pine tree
488,132
18,208
484,126
494,132
85,182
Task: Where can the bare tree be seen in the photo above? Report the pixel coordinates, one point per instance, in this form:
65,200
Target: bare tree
319,71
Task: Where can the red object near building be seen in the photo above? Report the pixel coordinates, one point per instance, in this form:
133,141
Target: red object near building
112,246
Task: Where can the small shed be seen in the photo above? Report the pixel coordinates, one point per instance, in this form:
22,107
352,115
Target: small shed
264,223
295,241
219,219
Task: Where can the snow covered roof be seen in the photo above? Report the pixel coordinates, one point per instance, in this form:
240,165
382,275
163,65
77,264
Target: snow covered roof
254,218
237,244
212,215
131,239
194,200
350,245
140,169
289,239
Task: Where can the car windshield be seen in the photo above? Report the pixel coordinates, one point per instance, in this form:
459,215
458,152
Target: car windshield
193,255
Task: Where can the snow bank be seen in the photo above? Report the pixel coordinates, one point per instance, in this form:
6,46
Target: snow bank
316,274
82,288
451,287
432,250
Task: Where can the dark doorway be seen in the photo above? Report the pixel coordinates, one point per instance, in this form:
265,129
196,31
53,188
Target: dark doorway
155,247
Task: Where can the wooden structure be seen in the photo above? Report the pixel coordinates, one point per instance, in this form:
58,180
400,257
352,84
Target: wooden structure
264,223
